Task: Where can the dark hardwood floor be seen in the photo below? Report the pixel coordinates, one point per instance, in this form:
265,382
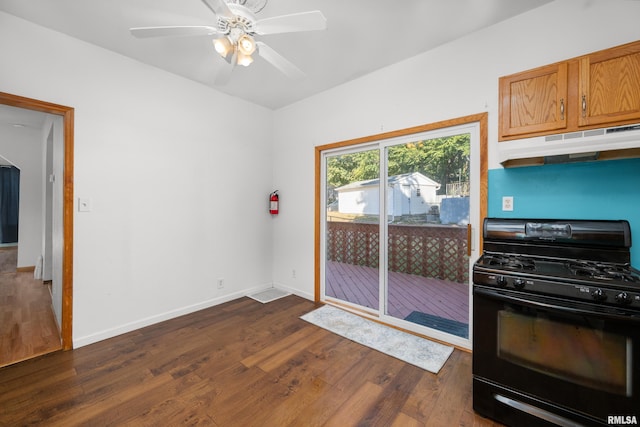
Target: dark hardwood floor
8,259
242,363
27,325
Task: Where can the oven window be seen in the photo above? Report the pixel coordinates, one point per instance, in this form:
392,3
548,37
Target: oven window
584,354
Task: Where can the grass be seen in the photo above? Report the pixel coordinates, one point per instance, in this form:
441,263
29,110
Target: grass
373,219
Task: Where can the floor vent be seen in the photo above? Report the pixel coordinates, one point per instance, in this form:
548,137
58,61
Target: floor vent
269,295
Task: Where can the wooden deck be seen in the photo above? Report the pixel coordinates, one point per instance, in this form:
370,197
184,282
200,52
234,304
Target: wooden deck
407,292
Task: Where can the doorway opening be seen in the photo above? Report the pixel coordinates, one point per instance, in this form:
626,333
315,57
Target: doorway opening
396,225
9,204
66,245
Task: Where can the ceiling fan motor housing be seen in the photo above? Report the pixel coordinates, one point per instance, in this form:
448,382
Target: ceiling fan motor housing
244,20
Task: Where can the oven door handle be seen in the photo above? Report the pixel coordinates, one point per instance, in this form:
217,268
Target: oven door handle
570,307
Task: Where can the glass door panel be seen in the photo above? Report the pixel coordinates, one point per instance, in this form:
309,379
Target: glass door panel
428,202
352,230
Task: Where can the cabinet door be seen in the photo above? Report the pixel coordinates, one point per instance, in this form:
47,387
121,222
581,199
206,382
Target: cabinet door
609,83
534,101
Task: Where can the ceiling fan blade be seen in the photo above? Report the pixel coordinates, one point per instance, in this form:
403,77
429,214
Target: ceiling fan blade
219,7
146,32
304,21
279,61
224,75
232,59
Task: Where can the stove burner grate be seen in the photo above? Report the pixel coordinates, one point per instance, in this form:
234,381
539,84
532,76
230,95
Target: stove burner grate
596,270
510,261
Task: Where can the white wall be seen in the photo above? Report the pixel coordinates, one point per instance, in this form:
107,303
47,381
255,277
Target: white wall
22,147
457,79
177,179
170,166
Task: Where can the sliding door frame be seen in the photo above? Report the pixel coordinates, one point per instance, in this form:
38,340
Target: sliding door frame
481,119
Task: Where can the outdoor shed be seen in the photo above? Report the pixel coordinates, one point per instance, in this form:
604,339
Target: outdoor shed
410,194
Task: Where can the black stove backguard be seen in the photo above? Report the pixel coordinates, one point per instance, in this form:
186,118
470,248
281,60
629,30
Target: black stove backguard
566,232
607,241
556,324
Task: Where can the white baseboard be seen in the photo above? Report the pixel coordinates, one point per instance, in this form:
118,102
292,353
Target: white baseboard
141,323
295,291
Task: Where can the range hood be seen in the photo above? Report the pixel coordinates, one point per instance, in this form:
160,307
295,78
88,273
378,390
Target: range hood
594,144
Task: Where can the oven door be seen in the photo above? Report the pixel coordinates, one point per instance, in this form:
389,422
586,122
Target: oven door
538,358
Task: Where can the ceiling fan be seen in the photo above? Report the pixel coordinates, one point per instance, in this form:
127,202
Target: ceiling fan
235,30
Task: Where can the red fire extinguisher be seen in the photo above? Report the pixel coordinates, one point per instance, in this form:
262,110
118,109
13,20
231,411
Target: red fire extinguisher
273,205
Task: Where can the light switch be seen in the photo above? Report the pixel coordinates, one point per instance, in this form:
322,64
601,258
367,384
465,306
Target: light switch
84,204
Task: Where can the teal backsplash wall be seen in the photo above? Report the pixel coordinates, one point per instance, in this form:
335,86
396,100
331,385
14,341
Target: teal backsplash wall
590,190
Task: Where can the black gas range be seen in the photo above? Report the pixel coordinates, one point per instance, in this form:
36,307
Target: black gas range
581,260
556,323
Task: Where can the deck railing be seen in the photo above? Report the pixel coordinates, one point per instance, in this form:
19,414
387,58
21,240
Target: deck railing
438,251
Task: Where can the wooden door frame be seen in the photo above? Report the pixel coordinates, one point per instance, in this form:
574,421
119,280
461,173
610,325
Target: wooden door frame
67,114
481,118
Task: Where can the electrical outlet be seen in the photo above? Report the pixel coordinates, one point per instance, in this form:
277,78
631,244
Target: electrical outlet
507,203
293,273
220,283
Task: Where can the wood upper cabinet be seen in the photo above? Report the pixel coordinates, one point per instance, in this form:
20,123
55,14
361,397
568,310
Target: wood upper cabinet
601,89
609,83
533,101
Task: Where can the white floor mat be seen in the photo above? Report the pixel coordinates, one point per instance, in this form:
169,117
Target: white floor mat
269,295
417,351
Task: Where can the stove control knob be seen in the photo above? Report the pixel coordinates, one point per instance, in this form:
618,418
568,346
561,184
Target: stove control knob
623,298
598,294
518,283
501,281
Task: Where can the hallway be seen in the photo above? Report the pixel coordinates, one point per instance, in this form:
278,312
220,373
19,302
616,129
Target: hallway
27,323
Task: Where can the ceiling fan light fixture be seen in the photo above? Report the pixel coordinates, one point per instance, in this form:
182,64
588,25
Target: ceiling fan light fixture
235,28
246,44
223,46
244,60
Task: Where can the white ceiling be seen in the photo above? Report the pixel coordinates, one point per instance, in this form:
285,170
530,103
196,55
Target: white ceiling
362,36
21,117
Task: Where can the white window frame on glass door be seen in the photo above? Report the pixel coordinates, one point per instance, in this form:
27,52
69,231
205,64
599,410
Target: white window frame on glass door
473,129
475,126
323,224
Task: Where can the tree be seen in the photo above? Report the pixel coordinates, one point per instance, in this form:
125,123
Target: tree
448,159
348,168
445,160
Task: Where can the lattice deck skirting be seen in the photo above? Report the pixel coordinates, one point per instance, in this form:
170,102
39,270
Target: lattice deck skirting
438,251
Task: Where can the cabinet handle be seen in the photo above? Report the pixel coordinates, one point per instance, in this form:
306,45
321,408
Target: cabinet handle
584,105
562,109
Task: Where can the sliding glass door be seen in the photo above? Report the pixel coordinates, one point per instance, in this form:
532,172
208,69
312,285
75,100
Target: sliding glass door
398,220
352,219
427,275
